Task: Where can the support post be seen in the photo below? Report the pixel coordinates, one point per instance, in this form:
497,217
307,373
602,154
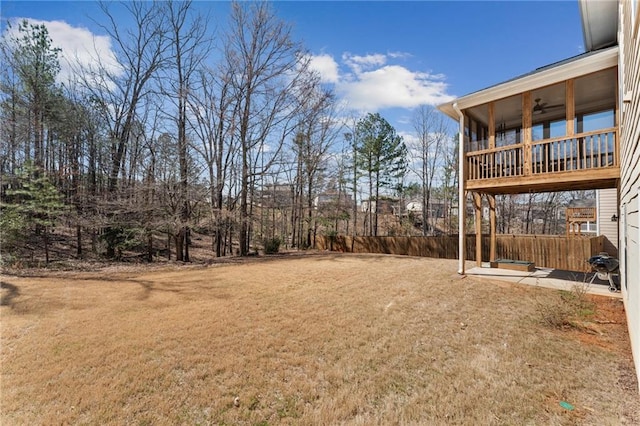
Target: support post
462,205
462,232
527,121
570,107
492,125
492,225
477,203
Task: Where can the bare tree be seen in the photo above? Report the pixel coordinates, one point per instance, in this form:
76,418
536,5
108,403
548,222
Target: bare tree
264,64
450,179
121,90
507,207
430,128
118,91
213,119
188,45
316,133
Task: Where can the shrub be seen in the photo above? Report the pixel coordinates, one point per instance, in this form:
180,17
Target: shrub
272,245
568,309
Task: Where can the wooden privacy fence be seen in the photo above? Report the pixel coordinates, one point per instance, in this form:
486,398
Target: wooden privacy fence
546,251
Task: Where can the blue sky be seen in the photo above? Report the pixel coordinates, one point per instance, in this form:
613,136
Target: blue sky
386,56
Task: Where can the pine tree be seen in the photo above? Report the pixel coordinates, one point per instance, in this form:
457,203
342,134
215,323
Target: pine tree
37,65
381,156
31,207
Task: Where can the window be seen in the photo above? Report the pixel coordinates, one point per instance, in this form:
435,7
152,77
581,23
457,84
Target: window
558,128
549,129
588,227
596,121
537,132
508,137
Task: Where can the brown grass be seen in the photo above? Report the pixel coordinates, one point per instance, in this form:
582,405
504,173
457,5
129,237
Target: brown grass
330,339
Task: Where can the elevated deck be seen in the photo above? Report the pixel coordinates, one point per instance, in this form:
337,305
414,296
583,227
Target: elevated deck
582,161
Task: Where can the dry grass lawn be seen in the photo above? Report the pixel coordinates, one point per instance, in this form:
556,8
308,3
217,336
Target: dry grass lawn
319,339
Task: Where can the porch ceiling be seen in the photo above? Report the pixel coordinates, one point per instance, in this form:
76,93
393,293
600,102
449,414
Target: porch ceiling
595,91
584,64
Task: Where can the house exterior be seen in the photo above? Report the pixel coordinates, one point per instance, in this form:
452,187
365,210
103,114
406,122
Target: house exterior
332,198
607,220
595,216
570,125
383,206
275,195
629,188
581,217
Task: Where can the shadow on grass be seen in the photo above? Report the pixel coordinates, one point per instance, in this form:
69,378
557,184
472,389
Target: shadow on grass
9,292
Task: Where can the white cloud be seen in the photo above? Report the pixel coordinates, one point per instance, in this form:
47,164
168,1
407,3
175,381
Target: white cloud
373,82
80,48
359,63
399,55
393,86
326,67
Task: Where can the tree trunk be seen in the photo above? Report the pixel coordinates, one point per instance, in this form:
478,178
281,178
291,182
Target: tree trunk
45,235
311,224
187,243
79,241
150,247
179,243
244,214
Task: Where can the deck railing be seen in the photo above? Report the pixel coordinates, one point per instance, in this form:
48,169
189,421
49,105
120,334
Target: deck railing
592,150
491,163
585,214
589,150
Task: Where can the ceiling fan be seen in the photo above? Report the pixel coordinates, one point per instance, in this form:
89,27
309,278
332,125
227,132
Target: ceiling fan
541,108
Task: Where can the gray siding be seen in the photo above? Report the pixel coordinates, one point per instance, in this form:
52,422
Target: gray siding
607,207
630,176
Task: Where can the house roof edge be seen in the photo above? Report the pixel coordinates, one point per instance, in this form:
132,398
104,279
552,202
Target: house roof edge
576,66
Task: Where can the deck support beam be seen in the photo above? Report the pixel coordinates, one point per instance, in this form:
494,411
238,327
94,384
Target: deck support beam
492,125
492,225
462,195
570,107
527,121
477,203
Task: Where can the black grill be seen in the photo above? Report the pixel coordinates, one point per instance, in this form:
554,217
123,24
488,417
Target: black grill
604,266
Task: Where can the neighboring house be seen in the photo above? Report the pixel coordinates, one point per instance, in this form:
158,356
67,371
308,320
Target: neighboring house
566,126
607,220
437,208
334,199
581,217
383,206
597,216
414,207
275,195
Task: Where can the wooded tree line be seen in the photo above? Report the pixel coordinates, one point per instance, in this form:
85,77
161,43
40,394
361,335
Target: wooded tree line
227,132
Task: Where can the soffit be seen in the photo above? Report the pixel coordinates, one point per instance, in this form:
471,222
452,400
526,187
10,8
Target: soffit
599,23
577,66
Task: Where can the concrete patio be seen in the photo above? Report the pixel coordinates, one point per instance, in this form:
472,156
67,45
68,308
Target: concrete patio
546,277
